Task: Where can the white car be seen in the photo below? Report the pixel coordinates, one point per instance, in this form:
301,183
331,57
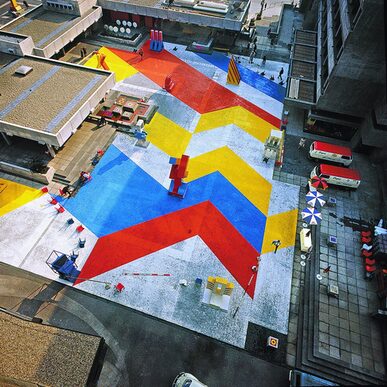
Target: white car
185,379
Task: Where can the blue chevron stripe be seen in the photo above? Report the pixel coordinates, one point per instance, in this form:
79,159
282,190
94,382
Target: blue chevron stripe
122,195
248,76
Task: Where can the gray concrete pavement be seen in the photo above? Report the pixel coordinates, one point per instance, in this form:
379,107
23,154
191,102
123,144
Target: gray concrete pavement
142,351
334,337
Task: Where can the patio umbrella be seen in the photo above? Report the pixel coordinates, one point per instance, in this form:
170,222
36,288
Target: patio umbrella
311,215
319,182
315,197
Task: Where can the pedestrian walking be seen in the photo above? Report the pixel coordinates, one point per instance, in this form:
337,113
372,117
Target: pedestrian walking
280,73
327,269
141,53
82,54
252,56
276,243
263,61
268,32
102,121
302,142
26,4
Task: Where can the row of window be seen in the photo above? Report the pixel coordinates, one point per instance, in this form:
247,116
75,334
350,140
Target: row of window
60,6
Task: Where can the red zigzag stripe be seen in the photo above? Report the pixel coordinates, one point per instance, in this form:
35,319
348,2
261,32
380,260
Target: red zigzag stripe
204,219
191,86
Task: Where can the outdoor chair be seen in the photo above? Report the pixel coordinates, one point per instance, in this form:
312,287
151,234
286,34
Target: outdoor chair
370,262
366,253
118,288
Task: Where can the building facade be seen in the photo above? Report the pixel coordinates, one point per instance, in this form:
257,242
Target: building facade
348,71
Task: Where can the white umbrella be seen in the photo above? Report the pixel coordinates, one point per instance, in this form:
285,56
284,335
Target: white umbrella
311,215
315,197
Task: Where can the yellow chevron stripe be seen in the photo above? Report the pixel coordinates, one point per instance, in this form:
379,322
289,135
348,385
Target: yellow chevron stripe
244,178
14,195
117,65
168,136
280,226
247,121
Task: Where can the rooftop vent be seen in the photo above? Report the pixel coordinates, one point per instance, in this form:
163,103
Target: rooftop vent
23,70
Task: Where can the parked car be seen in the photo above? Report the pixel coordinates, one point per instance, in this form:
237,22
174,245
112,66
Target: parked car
329,152
184,379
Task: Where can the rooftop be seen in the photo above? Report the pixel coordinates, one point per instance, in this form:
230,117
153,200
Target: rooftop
181,10
47,97
43,26
43,354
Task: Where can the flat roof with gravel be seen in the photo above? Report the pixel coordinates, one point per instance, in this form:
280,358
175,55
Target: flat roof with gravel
45,355
48,96
44,26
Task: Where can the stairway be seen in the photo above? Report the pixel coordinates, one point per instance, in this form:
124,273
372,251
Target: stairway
76,154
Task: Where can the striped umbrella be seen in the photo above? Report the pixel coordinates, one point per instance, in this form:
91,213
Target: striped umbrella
319,182
315,197
311,215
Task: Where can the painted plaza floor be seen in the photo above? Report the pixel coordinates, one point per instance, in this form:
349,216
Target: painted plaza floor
232,211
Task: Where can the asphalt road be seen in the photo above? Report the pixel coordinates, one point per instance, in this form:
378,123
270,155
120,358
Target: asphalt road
142,351
5,15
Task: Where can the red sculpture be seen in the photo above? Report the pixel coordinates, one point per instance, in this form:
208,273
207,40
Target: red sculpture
178,173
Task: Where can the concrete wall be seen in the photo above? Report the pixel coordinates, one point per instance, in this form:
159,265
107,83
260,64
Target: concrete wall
16,44
69,7
85,5
73,122
360,71
76,120
24,132
25,172
372,136
309,8
68,36
184,17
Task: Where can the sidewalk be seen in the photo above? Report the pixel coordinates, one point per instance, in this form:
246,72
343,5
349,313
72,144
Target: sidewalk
336,338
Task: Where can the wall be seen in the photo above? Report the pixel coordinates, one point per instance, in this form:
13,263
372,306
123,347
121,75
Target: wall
20,44
201,20
360,70
25,172
76,120
68,36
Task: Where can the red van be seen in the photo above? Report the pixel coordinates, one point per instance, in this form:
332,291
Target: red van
335,153
337,175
